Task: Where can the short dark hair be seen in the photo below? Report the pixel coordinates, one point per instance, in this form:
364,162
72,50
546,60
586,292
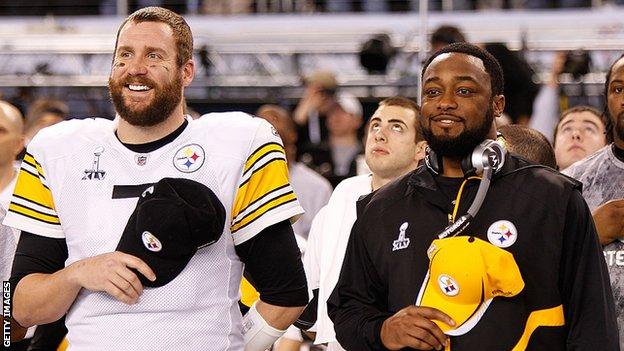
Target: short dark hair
492,67
408,104
181,30
528,143
609,125
584,108
447,34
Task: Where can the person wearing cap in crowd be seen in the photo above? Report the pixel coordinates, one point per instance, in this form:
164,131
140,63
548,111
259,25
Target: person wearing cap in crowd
89,187
336,157
394,146
581,131
602,175
530,211
310,114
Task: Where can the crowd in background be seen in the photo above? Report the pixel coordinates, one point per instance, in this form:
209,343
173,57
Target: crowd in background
208,7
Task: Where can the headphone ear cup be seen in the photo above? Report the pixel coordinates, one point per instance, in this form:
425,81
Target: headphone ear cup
432,161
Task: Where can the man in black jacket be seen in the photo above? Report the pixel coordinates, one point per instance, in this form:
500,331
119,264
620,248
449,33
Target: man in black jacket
532,212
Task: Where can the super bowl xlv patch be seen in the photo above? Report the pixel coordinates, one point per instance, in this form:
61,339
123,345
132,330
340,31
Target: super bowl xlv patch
95,172
401,242
502,233
189,158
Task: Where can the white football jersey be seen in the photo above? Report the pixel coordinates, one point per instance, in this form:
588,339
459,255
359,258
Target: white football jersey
78,182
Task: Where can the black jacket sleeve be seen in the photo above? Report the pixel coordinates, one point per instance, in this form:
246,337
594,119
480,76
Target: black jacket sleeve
358,305
273,266
584,283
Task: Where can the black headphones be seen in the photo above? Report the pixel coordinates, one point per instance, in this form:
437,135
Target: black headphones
485,160
489,153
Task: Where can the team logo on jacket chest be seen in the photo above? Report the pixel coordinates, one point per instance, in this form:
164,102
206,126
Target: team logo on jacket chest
95,172
189,158
502,233
401,242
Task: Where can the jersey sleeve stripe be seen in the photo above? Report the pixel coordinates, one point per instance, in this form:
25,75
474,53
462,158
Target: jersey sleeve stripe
266,199
270,195
273,205
263,181
30,213
18,200
260,152
29,160
273,154
259,169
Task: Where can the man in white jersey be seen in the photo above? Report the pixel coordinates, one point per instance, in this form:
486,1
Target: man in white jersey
79,184
602,174
394,146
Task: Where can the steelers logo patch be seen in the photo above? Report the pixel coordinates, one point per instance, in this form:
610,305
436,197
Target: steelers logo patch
151,242
448,285
502,233
189,158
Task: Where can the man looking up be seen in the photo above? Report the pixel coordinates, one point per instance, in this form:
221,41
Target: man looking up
580,132
79,185
394,146
532,216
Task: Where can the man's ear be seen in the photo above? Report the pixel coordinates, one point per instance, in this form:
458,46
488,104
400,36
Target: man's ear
421,150
188,73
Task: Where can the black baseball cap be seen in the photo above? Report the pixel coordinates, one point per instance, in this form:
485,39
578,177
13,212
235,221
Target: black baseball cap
172,220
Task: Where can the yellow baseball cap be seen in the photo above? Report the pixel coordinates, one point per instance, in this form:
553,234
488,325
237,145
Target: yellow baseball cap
465,274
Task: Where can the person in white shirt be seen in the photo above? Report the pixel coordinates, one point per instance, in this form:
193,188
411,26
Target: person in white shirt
394,146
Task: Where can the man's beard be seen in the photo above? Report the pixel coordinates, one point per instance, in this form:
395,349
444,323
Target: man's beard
166,99
461,145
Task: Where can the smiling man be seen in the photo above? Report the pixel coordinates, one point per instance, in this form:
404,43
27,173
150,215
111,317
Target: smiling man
580,132
75,201
541,282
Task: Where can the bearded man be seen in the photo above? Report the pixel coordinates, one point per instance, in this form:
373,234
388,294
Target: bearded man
525,272
213,194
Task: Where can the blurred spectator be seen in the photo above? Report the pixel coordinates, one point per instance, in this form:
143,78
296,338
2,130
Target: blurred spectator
44,113
226,7
335,159
545,115
313,191
445,35
519,90
309,115
581,132
11,143
528,143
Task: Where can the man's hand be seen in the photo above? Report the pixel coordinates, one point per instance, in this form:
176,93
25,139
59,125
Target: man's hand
111,273
413,327
609,220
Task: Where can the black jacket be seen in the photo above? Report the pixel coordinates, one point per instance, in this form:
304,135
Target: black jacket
557,251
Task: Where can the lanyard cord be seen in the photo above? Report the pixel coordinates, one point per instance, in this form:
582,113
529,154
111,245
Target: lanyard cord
458,197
